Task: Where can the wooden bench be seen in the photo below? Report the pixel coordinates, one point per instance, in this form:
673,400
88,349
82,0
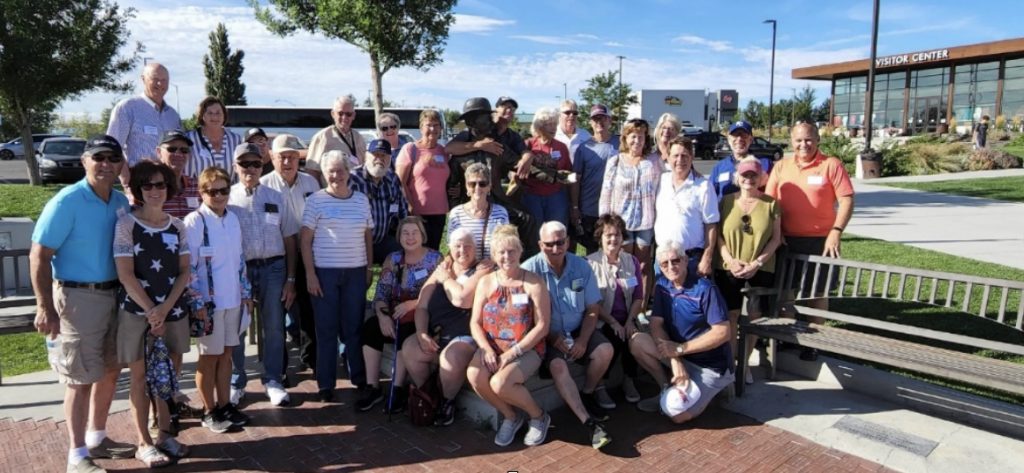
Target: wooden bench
973,300
17,303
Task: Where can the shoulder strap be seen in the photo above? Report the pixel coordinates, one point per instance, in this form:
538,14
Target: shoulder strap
487,221
207,259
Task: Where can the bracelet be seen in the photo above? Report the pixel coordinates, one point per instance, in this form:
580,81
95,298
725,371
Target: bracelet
518,351
840,229
290,279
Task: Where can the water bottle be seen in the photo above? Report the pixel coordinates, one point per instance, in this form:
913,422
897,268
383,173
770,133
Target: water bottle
54,352
568,340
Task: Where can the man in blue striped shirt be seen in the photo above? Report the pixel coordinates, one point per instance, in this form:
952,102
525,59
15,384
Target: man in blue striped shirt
388,206
139,122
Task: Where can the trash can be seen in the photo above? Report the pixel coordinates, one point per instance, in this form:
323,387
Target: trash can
869,164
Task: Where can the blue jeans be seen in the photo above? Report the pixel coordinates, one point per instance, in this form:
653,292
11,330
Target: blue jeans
545,208
268,284
339,314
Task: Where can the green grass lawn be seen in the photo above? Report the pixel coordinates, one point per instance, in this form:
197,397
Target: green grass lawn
23,200
998,188
1017,151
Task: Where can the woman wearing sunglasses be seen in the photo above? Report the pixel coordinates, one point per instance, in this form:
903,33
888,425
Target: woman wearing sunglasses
388,127
751,231
478,216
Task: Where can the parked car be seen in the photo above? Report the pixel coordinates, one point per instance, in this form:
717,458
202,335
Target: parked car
60,160
760,148
704,142
14,148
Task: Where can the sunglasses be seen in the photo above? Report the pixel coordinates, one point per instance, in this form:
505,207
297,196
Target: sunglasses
749,175
347,114
670,262
178,149
553,244
224,191
571,113
474,184
638,122
249,164
745,220
388,127
111,158
160,185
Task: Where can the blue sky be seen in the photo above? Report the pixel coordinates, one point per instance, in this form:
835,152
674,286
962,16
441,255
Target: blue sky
529,49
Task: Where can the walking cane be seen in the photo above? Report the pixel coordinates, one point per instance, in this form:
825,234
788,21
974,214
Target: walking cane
394,370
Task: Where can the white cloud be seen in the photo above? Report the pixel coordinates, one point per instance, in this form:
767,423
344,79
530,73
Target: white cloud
543,39
586,36
614,44
698,41
477,24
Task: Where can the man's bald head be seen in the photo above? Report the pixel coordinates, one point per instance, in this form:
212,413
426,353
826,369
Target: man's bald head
155,81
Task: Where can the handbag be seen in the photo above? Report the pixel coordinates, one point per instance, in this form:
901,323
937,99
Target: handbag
199,328
424,401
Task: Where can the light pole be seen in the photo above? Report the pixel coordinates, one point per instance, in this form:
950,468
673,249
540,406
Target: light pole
177,98
619,113
869,104
146,60
771,82
565,91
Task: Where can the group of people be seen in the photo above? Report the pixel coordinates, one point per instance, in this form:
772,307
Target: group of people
214,228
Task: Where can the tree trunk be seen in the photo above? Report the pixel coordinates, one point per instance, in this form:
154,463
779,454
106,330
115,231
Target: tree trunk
25,124
378,96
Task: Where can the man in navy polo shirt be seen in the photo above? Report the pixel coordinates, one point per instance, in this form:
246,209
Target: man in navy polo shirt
689,332
741,136
72,246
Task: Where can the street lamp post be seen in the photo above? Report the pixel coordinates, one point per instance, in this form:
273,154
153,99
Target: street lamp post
565,90
771,82
177,98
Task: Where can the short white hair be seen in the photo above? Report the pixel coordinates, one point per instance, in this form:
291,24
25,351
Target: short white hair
343,99
553,226
544,118
670,247
461,234
328,158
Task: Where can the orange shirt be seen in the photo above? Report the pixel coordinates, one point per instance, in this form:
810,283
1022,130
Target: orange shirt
808,194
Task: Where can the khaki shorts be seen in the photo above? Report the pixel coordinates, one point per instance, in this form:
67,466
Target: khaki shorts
88,327
225,332
528,364
131,330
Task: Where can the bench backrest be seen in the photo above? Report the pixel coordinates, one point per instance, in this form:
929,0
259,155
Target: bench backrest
14,262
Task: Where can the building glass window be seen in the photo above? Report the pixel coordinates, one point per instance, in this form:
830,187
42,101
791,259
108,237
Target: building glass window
887,111
928,98
974,91
849,101
1013,90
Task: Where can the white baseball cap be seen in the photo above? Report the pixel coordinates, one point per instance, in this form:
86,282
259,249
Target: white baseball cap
678,399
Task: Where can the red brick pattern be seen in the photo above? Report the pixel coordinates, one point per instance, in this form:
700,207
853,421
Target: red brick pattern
311,436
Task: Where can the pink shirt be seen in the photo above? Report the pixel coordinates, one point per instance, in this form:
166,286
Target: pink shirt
426,183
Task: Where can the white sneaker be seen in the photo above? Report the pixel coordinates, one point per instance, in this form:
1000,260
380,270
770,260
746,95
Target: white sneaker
507,430
603,399
538,431
278,396
236,395
629,388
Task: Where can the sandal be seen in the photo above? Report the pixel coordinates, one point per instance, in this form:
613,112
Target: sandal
171,446
151,457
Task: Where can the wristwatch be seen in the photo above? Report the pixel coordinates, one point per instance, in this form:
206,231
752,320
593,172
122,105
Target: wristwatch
680,349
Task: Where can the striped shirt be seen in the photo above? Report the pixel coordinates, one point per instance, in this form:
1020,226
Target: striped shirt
460,218
339,229
263,220
204,156
630,191
137,124
186,199
387,202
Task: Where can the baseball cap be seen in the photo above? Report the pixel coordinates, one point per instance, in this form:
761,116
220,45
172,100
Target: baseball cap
746,166
247,148
254,132
379,145
286,142
99,143
741,125
676,400
505,99
172,135
599,110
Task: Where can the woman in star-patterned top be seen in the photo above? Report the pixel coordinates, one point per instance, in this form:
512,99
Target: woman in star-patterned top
152,263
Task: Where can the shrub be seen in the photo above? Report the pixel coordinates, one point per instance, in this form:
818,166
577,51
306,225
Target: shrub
926,157
895,160
986,159
840,147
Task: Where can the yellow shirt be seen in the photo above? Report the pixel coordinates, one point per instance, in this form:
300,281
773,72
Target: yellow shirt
742,245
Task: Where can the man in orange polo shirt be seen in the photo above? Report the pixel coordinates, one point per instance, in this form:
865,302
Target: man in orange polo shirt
809,186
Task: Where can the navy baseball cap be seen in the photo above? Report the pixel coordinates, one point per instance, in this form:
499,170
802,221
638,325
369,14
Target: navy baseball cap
504,100
741,125
379,145
172,135
599,110
100,143
255,132
245,149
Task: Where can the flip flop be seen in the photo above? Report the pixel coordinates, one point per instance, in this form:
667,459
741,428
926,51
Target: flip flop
171,446
152,457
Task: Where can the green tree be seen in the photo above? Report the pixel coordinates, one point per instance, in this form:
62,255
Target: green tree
803,105
821,112
605,89
394,33
757,114
82,126
53,50
41,123
368,102
223,69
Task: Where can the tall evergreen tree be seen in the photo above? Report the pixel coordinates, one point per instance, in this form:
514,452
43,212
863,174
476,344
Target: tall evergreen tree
223,69
605,89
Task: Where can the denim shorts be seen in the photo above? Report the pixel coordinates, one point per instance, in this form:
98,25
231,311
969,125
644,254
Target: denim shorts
644,238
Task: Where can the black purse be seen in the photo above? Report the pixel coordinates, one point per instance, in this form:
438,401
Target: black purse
202,327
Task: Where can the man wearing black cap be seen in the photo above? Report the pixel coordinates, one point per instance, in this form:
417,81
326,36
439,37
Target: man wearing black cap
259,138
174,151
741,136
72,246
376,179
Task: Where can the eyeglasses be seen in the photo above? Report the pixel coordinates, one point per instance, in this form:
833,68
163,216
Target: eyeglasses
159,185
475,184
670,262
745,220
224,191
749,175
177,149
249,164
571,113
388,127
347,114
111,158
553,244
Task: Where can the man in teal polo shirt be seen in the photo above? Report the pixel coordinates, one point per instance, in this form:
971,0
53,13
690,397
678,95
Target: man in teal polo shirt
575,303
75,282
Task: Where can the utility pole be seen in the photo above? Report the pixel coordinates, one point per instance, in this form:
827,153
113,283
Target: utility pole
771,82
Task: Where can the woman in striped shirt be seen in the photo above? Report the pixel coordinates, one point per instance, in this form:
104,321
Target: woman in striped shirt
479,216
214,145
337,246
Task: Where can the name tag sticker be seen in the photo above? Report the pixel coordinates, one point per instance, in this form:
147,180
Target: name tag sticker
815,180
419,274
150,130
273,218
577,284
520,299
439,158
207,251
121,212
462,279
723,177
192,202
630,282
393,208
556,154
169,238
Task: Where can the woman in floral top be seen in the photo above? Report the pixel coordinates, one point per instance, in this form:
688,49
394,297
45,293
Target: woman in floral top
152,263
402,276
